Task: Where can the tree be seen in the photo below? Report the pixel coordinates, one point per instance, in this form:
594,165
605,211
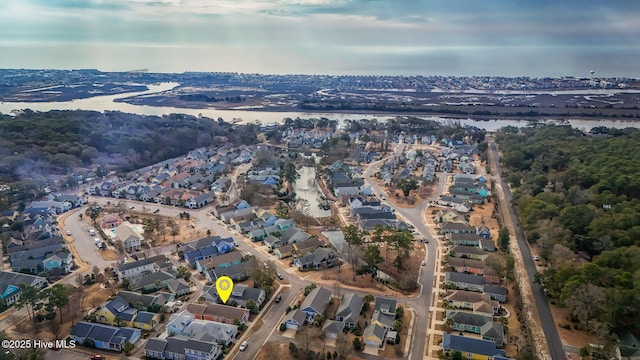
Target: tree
367,299
93,211
353,237
503,239
252,306
397,325
357,343
173,228
289,173
59,297
407,185
224,198
29,297
372,254
184,273
282,210
401,242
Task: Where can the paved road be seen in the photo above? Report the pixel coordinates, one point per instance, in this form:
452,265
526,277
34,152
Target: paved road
414,216
546,319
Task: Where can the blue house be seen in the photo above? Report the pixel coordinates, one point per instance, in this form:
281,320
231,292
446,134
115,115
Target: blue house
10,293
206,248
316,302
284,224
243,205
104,337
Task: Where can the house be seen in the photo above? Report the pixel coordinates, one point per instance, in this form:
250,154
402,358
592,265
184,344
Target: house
455,203
136,269
145,301
457,228
471,348
468,322
104,337
152,281
315,303
237,272
217,312
449,216
383,320
496,292
110,221
374,335
11,282
293,235
201,200
182,347
308,245
469,252
284,251
240,295
320,258
468,266
357,202
185,324
244,213
221,185
205,248
284,224
118,312
464,239
178,287
273,242
39,259
295,319
333,329
129,238
488,245
220,261
385,306
349,310
464,281
478,303
347,186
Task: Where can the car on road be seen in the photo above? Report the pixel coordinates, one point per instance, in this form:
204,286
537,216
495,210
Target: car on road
132,207
244,345
536,258
156,211
68,232
422,263
235,244
280,277
278,299
97,357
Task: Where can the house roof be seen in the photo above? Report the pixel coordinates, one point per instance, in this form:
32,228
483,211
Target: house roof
145,299
155,344
124,232
145,317
318,299
312,242
493,330
385,304
457,226
217,310
468,296
333,326
150,279
490,289
216,261
375,331
296,316
463,317
466,249
350,307
471,263
385,319
135,264
466,344
463,278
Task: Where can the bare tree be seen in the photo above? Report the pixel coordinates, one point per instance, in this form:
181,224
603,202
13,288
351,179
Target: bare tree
272,350
55,327
307,335
95,270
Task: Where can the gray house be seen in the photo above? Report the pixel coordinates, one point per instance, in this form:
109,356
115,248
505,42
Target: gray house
349,310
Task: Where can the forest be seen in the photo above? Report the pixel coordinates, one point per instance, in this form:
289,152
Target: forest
578,200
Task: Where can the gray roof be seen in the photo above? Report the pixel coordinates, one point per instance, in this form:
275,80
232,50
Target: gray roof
144,317
386,320
135,264
150,279
385,304
489,289
318,299
463,278
350,307
376,330
296,315
464,249
466,344
462,317
468,296
456,261
332,326
155,344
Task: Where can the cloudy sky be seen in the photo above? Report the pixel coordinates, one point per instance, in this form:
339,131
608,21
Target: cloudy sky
395,37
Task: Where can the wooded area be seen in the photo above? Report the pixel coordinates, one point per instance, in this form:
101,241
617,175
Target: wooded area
577,197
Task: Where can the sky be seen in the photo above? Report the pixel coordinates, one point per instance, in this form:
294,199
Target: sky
339,37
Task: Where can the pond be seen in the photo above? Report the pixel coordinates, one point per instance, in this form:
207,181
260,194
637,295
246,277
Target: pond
307,188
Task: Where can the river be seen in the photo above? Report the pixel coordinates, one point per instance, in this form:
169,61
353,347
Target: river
108,103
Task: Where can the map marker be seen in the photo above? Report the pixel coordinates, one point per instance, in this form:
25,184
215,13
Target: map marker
224,286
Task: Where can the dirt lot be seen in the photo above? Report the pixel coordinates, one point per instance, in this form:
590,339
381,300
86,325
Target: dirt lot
344,274
397,198
93,296
573,337
109,254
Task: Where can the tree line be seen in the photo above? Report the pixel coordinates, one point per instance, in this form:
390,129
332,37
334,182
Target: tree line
578,200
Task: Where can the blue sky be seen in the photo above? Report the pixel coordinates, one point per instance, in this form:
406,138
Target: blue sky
428,37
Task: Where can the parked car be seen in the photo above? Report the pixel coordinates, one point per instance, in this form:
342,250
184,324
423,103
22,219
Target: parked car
536,258
278,298
244,345
156,211
280,277
68,232
97,357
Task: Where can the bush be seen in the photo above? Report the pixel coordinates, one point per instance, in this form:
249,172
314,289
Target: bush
357,344
356,331
283,327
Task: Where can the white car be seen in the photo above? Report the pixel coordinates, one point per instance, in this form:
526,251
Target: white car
68,232
244,345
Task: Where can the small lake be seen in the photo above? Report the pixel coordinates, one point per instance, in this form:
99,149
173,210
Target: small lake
307,188
336,238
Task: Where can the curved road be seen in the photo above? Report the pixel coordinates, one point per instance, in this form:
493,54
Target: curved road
556,349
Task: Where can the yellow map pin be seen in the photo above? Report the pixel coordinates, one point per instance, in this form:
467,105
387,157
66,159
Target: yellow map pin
224,285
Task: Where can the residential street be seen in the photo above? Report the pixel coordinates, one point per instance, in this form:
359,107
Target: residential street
545,320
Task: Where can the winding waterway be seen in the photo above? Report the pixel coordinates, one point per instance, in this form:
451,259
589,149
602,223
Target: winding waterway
108,103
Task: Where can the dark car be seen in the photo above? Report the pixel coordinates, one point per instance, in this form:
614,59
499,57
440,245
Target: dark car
278,298
156,211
